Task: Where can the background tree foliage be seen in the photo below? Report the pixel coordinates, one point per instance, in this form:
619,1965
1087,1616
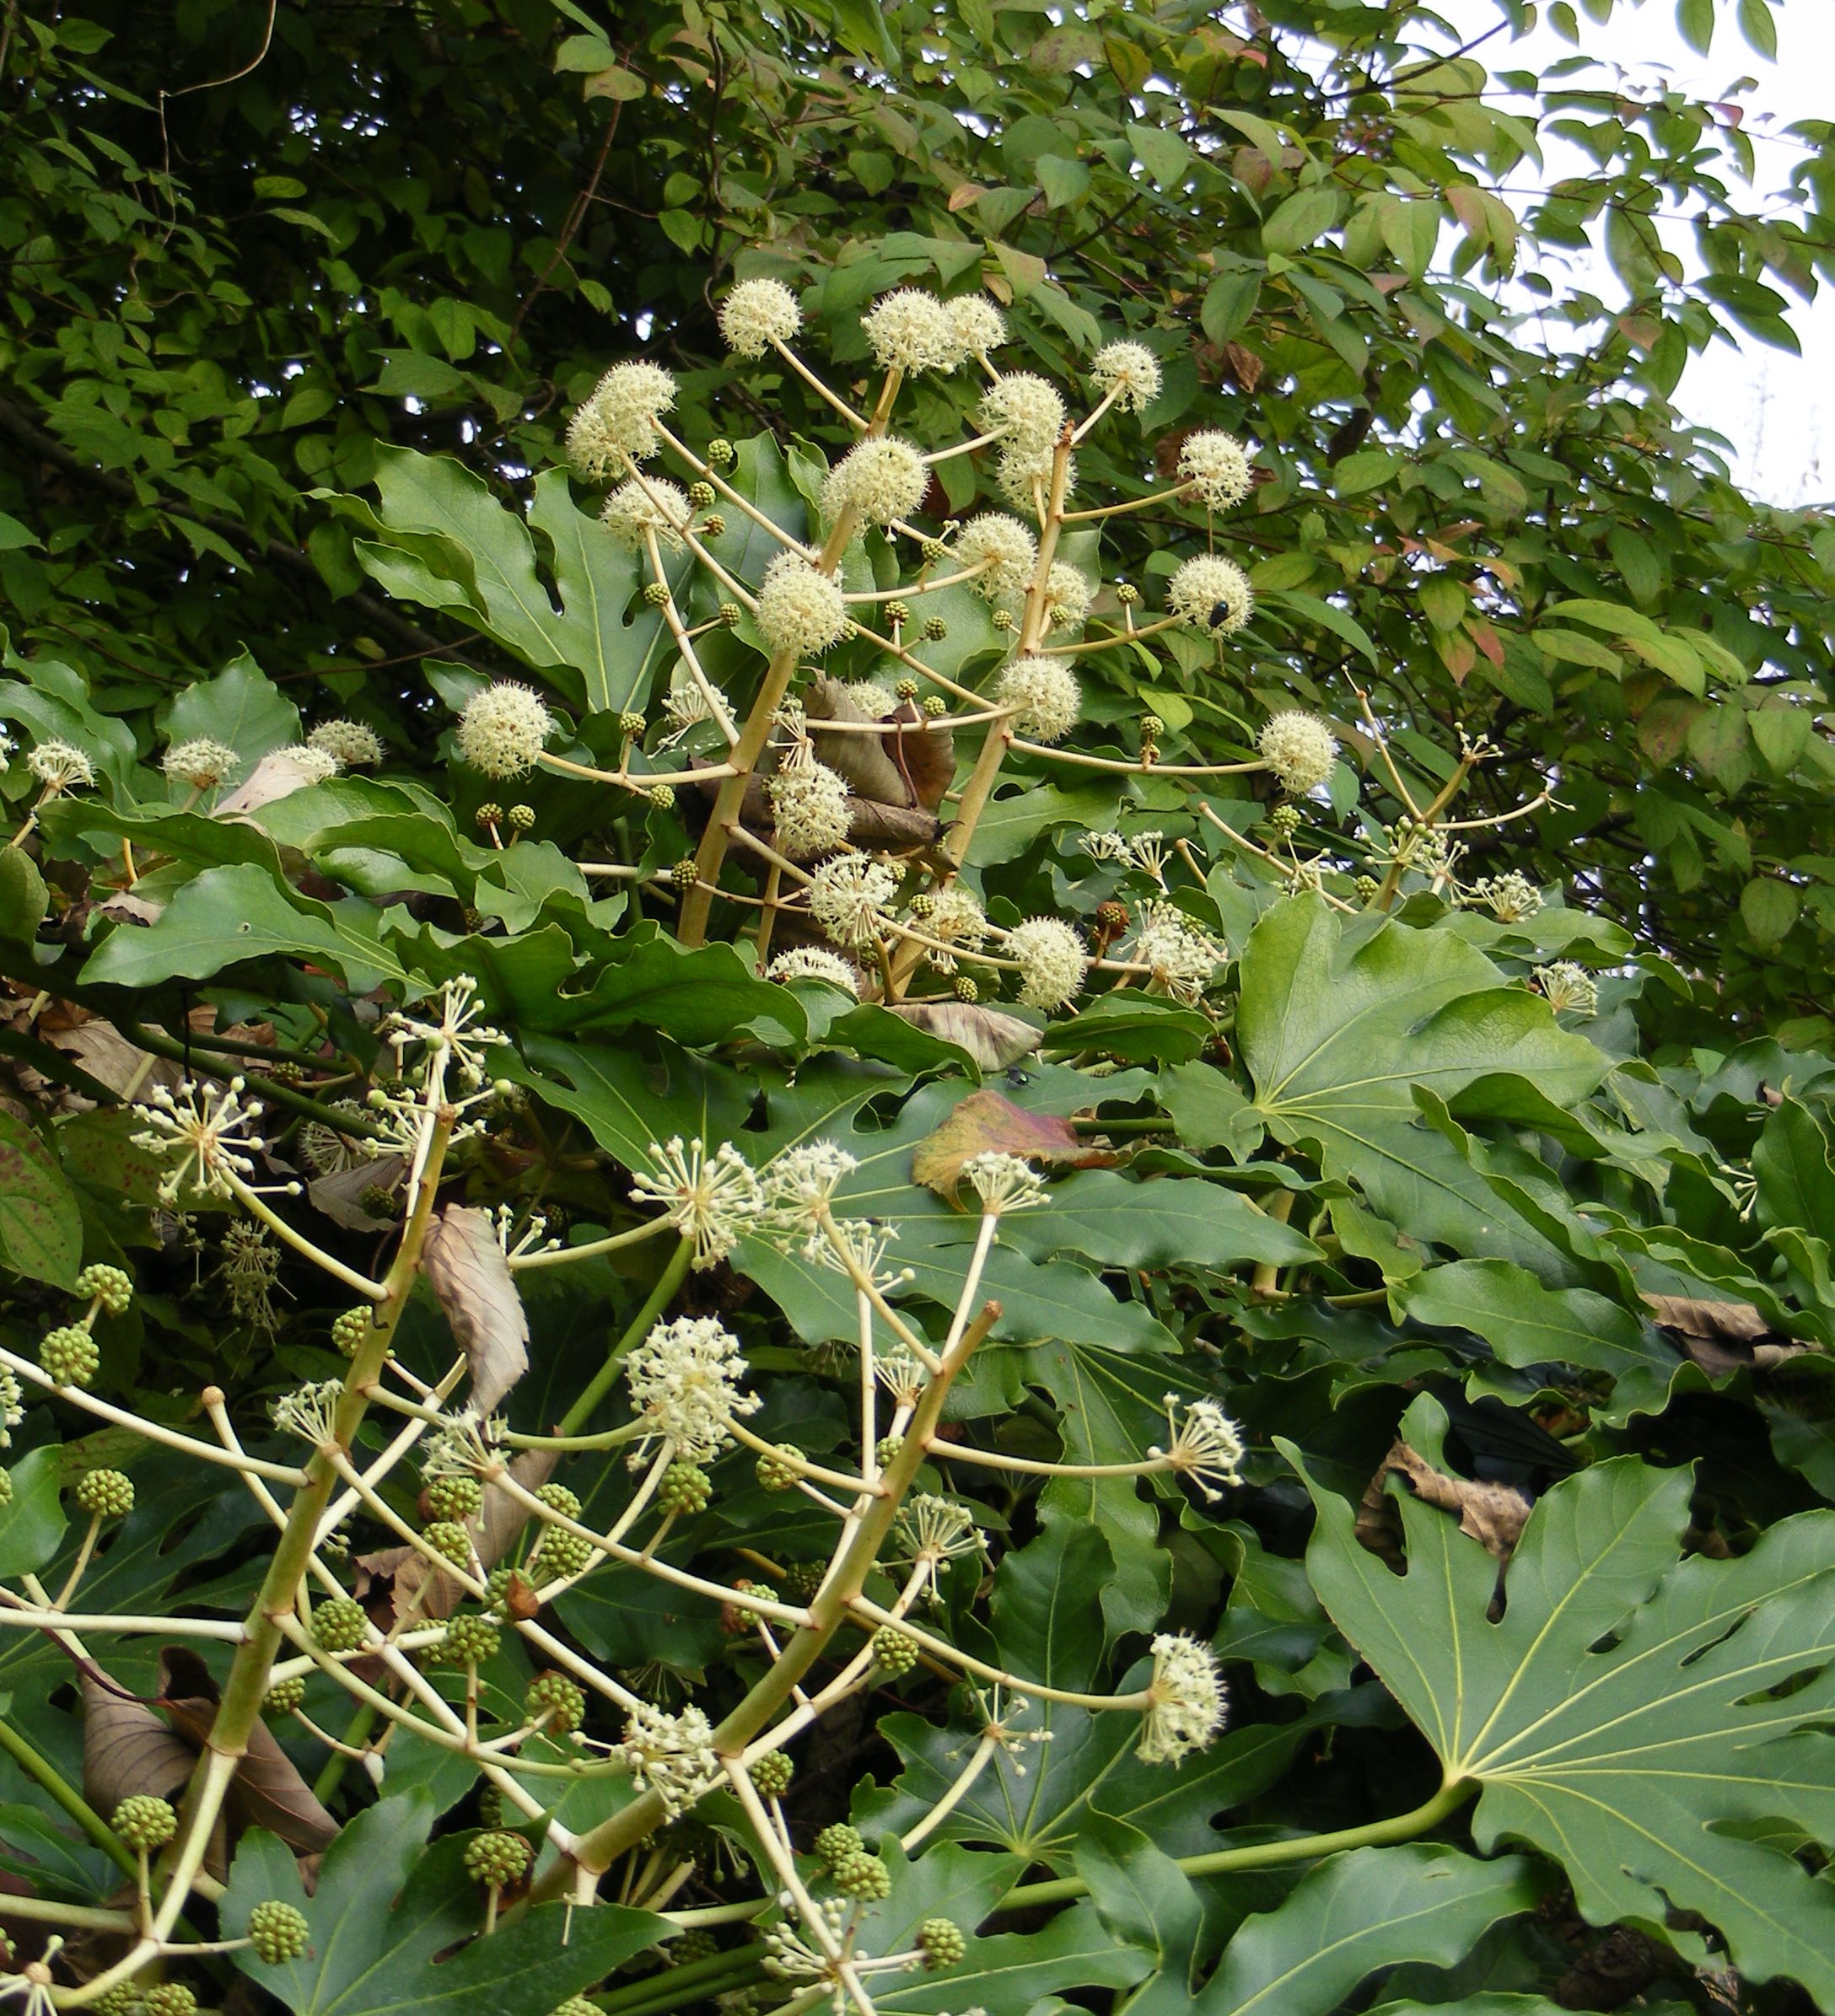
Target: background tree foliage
297,307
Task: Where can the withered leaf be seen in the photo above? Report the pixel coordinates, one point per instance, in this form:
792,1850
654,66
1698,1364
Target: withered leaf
341,1196
993,1039
419,1590
987,1123
1492,1513
472,1281
924,753
1721,1336
277,775
267,1791
127,1748
862,759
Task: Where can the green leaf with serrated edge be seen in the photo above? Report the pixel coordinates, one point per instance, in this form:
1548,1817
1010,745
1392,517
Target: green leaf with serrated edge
386,1907
32,1519
1621,1717
41,1228
1526,1324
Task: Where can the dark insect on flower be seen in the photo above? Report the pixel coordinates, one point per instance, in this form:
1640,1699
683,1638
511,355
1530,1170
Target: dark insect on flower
1220,616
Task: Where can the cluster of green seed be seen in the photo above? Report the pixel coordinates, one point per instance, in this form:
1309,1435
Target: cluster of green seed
339,1625
106,1494
555,1696
278,1933
112,1286
144,1822
69,1355
497,1858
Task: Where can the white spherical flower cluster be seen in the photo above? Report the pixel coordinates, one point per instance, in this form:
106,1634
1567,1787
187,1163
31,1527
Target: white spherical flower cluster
1213,593
1206,1446
808,807
201,763
347,743
1002,548
654,505
1186,1700
504,729
815,962
913,331
684,1385
1023,472
1570,988
1003,1183
1129,370
713,1200
1053,962
757,314
1180,956
956,920
800,610
801,1184
848,896
1024,408
310,766
1512,897
1300,749
1066,595
1214,466
672,1755
60,766
882,480
619,420
1045,692
979,325
875,701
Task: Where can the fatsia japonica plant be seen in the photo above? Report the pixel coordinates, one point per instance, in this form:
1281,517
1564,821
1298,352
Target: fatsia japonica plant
789,1323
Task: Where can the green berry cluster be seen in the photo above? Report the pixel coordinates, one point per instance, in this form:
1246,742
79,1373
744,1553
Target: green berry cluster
1152,728
777,1470
560,1557
278,1933
555,1696
935,630
834,1843
349,1330
661,796
144,1822
862,1876
558,1498
450,1541
772,1772
698,1944
1285,819
720,451
340,1624
700,495
897,613
489,814
520,818
497,1858
894,1651
112,1286
714,524
170,1998
941,1942
285,1696
888,1446
69,1355
685,875
730,614
686,1487
106,1494
453,1497
802,1578
656,593
965,989
631,725
471,1640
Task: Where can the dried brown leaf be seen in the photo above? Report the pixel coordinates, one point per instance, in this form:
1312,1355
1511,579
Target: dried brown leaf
267,1791
341,1196
993,1039
419,1589
860,759
128,1749
472,1281
1492,1513
1722,1337
987,1123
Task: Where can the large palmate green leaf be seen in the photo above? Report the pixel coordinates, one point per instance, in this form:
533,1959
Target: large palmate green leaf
1341,1021
386,1908
1632,1713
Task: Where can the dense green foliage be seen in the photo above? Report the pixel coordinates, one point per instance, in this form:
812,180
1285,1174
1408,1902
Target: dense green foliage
1460,1121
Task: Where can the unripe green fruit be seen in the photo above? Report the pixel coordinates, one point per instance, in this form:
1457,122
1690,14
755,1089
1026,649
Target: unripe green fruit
1002,619
1368,889
897,612
277,1932
888,1447
700,495
656,593
560,1555
1126,594
558,1498
106,1494
720,451
631,725
285,1696
833,1844
349,1330
450,1541
144,1822
730,614
661,796
69,1355
862,1876
110,1286
685,1488
935,551
714,524
894,1651
497,1858
170,1998
966,989
471,1640
685,875
772,1772
6,1487
489,814
455,1497
697,1944
520,818
935,706
1285,819
577,2005
777,1471
1152,728
941,1942
935,630
802,1578
553,1694
339,1626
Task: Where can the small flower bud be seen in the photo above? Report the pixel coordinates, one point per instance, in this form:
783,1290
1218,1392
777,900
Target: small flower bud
934,552
497,1858
888,1447
339,1625
106,1494
906,688
935,706
349,1330
561,1555
1284,820
450,1541
720,451
1002,619
802,1580
1368,889
112,1286
1152,728
278,1933
700,495
378,1200
144,1822
169,1998
558,1498
1127,594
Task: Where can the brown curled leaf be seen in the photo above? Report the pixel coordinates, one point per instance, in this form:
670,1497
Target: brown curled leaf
1721,1336
987,1123
1491,1514
993,1039
474,1288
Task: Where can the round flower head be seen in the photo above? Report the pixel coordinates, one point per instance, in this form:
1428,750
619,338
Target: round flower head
808,804
1130,371
619,421
1181,957
1003,1183
1023,472
1186,1700
1066,595
881,480
848,896
504,729
1045,690
979,325
815,962
1212,593
60,766
1053,962
348,742
955,919
800,1184
1512,896
1215,467
1568,987
684,1380
875,701
1300,749
1206,1445
654,505
711,1199
912,330
309,765
757,314
201,763
672,1755
1024,408
800,610
1002,548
